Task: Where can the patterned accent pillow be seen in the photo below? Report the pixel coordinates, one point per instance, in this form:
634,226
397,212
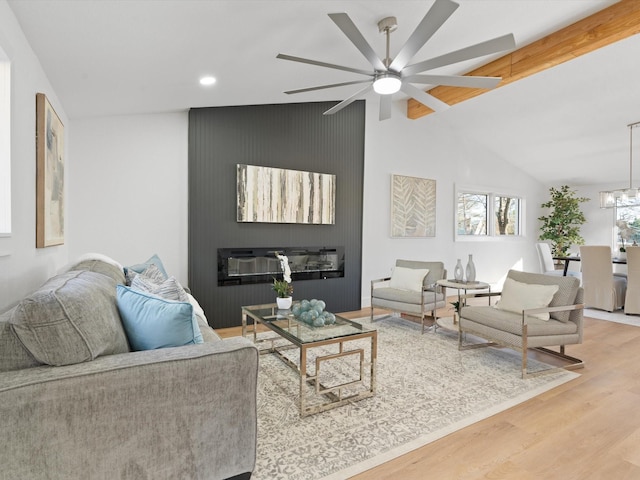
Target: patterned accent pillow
152,273
170,289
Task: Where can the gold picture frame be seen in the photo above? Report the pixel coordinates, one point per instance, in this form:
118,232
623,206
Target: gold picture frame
49,175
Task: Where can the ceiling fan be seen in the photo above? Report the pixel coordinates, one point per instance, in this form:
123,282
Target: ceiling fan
392,75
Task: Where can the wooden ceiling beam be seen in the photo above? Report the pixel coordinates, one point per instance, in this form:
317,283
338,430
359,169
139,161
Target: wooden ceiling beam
614,23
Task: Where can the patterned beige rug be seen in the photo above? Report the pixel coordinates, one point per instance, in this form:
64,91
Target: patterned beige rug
426,389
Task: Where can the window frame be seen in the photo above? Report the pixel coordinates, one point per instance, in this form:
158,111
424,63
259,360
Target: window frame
492,194
5,145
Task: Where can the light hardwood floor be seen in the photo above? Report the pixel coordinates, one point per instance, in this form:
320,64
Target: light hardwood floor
587,429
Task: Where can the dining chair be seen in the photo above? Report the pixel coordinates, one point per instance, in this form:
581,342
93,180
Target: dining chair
547,266
632,300
602,289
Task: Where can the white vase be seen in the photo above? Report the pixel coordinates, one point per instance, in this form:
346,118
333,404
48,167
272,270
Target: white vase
458,272
284,303
471,270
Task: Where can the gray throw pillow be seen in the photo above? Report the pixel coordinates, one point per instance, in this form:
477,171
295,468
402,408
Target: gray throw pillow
72,318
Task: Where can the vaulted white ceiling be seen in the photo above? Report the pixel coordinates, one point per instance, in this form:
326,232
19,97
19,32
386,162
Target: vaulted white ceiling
567,124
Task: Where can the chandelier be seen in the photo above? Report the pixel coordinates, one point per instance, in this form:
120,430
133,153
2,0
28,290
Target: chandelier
610,198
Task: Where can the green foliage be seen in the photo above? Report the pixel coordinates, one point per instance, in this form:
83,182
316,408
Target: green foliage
282,288
562,225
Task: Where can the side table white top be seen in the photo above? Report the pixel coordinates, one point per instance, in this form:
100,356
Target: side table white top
459,284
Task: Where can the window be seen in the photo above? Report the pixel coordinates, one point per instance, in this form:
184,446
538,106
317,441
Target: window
627,231
5,146
488,214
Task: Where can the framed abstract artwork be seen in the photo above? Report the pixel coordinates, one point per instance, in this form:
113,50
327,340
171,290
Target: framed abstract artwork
413,207
49,175
277,195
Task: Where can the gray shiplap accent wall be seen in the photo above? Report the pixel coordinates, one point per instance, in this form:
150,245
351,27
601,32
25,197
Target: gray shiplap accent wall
291,136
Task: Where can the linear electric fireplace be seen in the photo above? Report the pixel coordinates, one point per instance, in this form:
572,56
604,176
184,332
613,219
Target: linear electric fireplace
241,266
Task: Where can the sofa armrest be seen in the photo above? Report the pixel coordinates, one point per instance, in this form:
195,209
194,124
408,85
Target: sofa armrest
185,412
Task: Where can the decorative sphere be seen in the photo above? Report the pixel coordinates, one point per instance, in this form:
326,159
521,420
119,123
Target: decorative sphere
318,308
313,301
321,304
318,322
329,318
296,310
313,314
304,304
304,316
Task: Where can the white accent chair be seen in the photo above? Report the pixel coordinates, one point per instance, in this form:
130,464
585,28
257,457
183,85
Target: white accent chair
547,266
602,289
632,300
421,302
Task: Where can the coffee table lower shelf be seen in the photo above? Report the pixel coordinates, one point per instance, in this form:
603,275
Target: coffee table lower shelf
290,330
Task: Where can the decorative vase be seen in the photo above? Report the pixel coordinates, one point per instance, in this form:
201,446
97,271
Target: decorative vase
284,303
471,270
458,272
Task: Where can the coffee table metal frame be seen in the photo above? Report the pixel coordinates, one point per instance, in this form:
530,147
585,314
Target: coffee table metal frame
284,324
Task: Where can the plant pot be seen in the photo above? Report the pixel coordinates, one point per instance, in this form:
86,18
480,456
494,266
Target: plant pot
284,303
622,255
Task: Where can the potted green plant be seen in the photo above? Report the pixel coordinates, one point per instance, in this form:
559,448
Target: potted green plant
562,225
456,314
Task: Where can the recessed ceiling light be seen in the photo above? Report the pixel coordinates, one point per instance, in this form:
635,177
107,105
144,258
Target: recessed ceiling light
207,81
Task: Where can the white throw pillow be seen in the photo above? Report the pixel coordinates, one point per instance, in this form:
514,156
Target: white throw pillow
518,296
410,279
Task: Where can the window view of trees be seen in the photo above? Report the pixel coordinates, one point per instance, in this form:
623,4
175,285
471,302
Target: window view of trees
472,214
475,209
627,225
507,211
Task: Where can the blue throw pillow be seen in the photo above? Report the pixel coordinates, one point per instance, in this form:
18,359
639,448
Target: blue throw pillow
154,260
152,322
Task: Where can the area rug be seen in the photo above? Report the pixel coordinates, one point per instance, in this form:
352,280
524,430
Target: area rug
426,389
617,316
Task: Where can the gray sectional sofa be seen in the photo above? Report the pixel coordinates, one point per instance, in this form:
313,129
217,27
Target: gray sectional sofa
77,403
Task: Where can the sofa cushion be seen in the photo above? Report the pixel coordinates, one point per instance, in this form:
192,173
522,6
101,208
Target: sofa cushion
512,322
141,267
409,279
72,318
96,262
153,322
566,294
13,355
518,296
169,289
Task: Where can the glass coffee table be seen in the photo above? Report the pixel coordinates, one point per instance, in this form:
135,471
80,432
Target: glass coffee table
334,389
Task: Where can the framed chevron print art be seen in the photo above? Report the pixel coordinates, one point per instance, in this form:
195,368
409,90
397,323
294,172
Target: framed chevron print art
413,207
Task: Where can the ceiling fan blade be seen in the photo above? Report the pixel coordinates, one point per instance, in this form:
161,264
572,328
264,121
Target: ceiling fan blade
322,87
385,107
349,100
455,80
345,24
495,45
432,21
428,100
323,64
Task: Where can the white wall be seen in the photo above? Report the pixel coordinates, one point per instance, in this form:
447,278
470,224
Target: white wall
599,228
23,267
128,189
429,148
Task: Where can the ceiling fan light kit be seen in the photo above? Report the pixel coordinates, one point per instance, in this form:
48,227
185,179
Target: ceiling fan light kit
611,198
387,83
392,75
